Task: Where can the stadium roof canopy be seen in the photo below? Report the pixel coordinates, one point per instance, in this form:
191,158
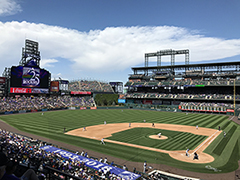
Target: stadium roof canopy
217,66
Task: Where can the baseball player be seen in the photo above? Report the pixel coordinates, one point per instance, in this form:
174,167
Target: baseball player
105,122
153,125
195,156
159,135
144,120
102,141
84,128
129,124
224,134
187,153
100,160
196,126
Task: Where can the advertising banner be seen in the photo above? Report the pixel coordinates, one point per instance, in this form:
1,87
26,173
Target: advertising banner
126,175
40,91
121,100
147,101
230,110
54,87
20,90
80,92
2,80
83,108
93,107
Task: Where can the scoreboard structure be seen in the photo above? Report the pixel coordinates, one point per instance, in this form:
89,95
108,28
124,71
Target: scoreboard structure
117,87
28,77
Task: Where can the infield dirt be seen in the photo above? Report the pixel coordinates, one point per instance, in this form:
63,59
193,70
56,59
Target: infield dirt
106,130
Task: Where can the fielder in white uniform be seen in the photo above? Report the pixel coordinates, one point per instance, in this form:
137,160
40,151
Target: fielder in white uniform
102,141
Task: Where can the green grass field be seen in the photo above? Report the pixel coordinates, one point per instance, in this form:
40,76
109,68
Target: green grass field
224,150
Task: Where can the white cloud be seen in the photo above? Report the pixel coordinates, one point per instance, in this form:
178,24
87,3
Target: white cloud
113,49
9,7
47,62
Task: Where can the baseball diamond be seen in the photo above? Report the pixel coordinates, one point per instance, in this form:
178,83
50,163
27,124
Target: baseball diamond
135,143
101,131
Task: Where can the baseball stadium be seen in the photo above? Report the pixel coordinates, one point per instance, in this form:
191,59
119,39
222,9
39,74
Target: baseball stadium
166,122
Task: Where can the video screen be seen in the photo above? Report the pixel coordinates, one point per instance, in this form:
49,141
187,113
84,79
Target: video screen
23,76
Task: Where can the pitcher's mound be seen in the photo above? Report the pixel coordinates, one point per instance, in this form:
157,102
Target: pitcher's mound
157,137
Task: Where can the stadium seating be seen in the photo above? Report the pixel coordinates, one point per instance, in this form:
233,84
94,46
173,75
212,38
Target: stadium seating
54,102
92,86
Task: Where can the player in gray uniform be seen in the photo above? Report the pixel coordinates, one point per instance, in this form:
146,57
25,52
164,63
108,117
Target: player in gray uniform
187,153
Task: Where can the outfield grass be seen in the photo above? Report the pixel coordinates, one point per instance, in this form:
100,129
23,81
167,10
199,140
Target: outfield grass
51,125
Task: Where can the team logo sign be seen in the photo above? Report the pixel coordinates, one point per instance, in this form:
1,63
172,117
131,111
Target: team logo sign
31,77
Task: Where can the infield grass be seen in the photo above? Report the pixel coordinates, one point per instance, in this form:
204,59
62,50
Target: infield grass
51,125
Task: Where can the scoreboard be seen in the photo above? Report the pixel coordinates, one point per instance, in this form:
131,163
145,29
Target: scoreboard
27,79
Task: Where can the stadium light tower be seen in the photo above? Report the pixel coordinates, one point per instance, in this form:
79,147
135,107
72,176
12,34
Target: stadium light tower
30,54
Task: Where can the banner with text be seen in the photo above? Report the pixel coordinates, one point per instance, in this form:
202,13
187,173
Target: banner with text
126,175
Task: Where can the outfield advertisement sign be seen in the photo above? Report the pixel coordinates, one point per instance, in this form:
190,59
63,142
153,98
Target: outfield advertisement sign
121,100
126,175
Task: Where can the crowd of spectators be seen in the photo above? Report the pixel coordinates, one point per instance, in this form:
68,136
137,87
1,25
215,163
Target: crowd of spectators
206,104
53,102
182,96
93,86
213,82
26,151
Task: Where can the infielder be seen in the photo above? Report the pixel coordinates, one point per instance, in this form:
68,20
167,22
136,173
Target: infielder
187,153
129,124
105,122
159,135
196,126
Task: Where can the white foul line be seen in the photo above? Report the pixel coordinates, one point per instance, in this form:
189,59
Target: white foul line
205,141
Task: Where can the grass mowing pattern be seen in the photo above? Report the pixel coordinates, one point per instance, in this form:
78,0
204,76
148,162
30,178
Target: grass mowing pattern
218,150
52,123
176,140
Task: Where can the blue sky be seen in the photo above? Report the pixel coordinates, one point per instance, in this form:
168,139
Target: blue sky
103,39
